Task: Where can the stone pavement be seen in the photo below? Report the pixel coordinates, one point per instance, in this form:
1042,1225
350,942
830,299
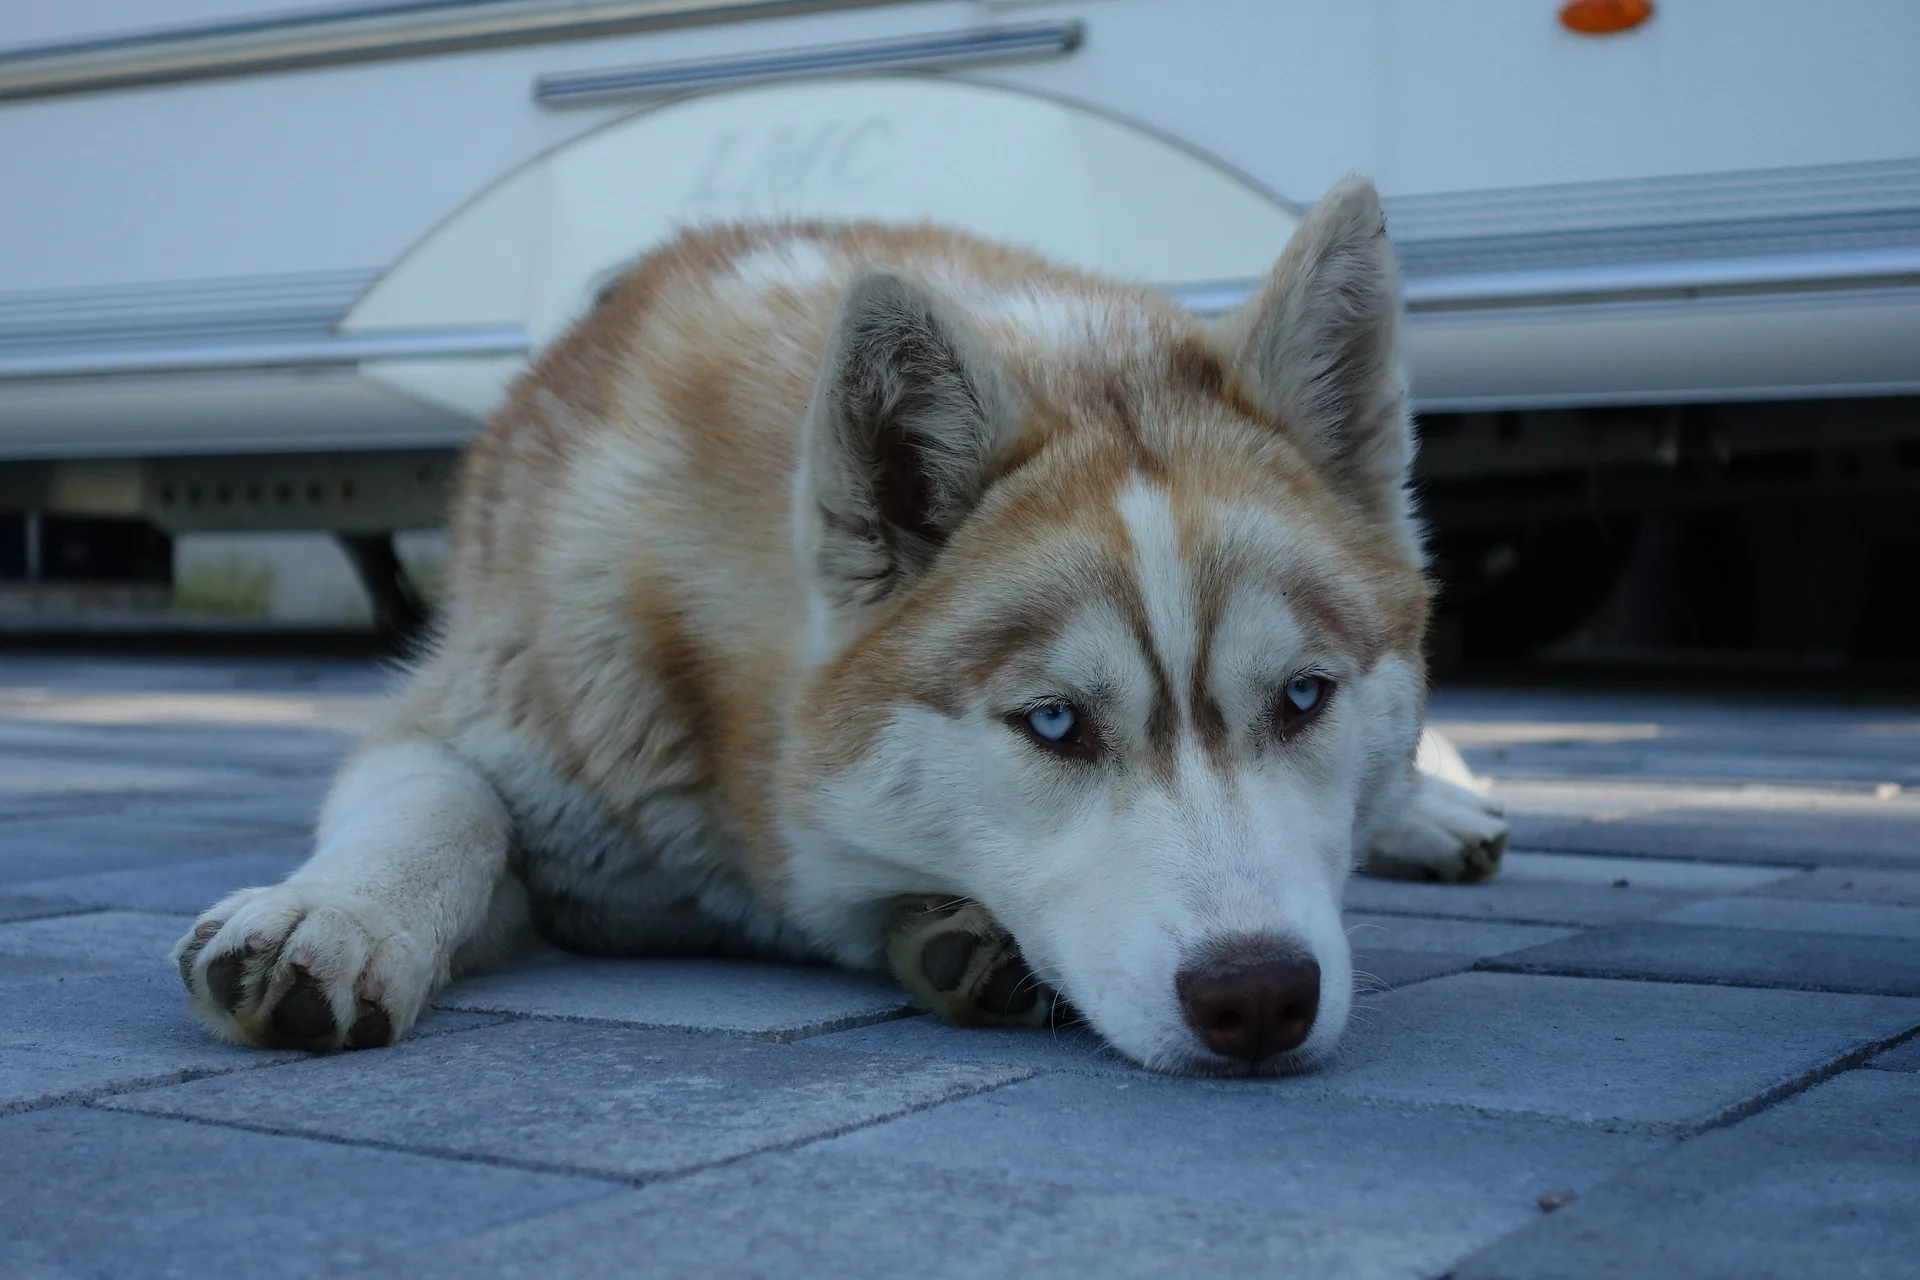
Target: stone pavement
1679,1019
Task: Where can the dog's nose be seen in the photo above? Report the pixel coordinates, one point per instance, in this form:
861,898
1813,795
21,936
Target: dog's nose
1250,997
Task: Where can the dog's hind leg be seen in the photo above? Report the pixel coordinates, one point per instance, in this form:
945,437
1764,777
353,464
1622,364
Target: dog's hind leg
409,867
1448,831
957,961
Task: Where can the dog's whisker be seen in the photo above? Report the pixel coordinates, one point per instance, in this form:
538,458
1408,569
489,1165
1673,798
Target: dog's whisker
1365,983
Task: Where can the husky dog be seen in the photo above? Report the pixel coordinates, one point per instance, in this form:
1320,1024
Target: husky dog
886,597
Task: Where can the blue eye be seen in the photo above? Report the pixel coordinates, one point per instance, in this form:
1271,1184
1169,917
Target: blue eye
1303,698
1305,692
1054,722
1059,729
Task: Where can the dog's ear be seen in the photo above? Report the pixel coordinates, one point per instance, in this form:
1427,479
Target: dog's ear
1318,346
906,416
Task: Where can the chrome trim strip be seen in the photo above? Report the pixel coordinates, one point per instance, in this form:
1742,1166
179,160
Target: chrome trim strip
357,35
1695,277
944,49
1650,281
345,349
1213,299
1665,395
1659,206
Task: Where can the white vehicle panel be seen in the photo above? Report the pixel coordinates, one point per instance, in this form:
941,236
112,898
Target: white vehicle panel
1723,203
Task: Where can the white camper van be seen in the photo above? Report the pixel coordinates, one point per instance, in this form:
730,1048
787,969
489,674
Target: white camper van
267,267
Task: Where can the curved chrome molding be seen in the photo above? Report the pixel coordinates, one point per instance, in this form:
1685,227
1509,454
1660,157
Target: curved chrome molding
346,349
357,35
948,49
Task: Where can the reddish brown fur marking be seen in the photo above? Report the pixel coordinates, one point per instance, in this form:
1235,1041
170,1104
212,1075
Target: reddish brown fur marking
701,388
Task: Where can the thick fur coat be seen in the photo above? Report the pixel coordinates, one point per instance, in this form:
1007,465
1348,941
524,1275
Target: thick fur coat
823,566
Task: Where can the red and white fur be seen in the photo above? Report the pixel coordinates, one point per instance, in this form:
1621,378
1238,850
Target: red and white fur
773,581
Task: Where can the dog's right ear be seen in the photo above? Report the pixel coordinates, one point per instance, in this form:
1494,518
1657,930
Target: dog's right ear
906,416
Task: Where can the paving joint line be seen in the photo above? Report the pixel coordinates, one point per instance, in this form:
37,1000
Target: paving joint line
546,1167
779,1036
1494,964
1554,851
1779,1093
125,1088
62,912
86,1097
1402,913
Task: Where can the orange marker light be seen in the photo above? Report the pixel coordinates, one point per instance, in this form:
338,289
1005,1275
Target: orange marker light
1604,17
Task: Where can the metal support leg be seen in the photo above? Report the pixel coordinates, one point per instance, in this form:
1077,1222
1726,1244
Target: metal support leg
398,610
36,554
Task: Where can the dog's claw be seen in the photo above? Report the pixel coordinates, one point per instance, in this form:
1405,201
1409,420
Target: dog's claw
957,961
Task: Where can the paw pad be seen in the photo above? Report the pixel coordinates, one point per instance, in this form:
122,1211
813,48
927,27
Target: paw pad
227,977
303,1016
957,961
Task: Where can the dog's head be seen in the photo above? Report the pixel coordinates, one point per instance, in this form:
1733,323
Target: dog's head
1116,629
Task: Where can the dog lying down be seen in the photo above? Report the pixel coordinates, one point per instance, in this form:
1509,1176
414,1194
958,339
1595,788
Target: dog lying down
891,598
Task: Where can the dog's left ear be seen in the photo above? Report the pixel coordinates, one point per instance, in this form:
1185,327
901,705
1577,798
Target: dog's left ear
907,415
1318,346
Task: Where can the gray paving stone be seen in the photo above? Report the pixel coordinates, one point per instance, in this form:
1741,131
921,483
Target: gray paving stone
1733,957
39,850
1373,1166
67,1038
1265,1145
100,940
1734,762
1459,937
556,1095
1849,884
189,885
1500,899
286,804
64,673
1824,1184
95,1193
775,1002
1639,873
791,1216
1384,968
196,756
1675,735
1725,755
283,805
1561,889
1071,1048
31,804
1785,839
1861,919
1902,1057
19,906
1615,1054
38,774
278,813
1070,1176
14,967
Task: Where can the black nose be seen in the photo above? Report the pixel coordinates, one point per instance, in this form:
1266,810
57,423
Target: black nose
1250,996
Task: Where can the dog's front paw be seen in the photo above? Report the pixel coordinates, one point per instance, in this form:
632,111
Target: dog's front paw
957,961
304,967
1447,833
